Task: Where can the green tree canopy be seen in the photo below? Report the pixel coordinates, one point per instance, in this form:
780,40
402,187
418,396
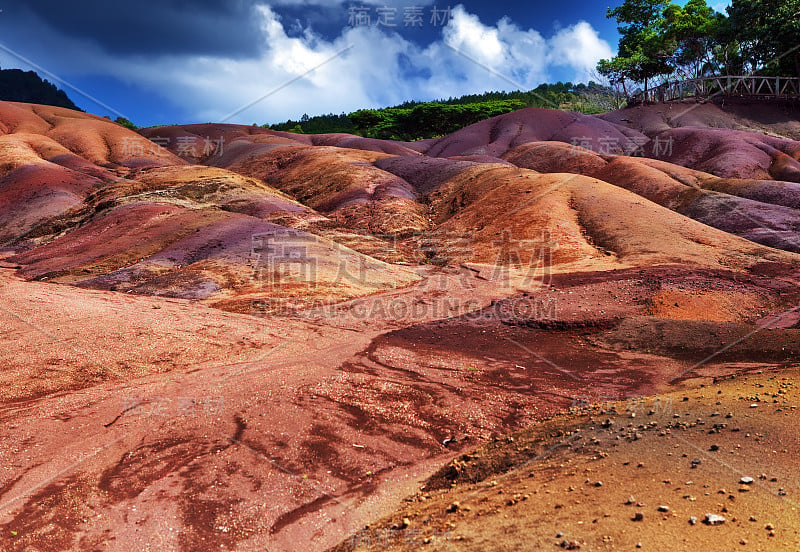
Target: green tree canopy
768,32
658,38
695,33
645,47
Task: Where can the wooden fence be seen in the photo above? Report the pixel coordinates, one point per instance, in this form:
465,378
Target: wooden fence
726,86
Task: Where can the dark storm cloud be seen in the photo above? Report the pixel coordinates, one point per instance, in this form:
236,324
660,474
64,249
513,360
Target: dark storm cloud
152,27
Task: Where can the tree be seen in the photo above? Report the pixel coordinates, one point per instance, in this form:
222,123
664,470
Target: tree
769,34
695,32
617,71
126,123
610,90
645,48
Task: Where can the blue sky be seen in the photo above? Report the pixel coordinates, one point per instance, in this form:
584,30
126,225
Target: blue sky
246,61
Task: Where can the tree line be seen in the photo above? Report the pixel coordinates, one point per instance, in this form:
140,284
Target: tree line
662,41
411,121
26,86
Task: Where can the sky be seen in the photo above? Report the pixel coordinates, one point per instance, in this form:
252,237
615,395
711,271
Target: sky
256,61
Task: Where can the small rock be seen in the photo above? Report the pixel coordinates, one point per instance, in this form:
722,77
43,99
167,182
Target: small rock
746,480
453,507
638,516
664,509
692,520
404,524
713,519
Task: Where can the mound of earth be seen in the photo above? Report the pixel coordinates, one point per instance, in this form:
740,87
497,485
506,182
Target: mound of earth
761,211
52,158
780,120
498,135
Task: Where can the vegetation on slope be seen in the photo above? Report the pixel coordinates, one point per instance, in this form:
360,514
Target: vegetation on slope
419,120
26,86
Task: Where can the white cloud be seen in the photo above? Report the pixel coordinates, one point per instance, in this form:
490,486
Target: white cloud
579,47
374,67
466,33
504,49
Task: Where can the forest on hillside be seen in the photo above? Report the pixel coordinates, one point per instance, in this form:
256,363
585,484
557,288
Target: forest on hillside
26,86
419,120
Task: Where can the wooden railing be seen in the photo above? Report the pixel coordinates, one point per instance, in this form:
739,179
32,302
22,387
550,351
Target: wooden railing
725,86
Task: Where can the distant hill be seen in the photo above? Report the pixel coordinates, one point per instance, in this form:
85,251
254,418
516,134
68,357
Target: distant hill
26,86
418,120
